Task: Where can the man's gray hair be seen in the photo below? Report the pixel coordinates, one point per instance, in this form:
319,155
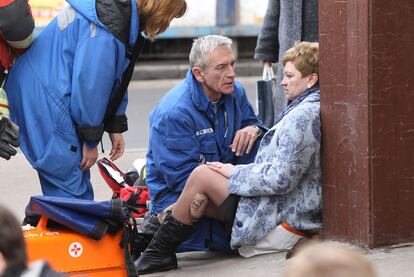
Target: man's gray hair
203,46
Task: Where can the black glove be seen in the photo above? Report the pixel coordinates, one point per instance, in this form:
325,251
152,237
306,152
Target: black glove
9,136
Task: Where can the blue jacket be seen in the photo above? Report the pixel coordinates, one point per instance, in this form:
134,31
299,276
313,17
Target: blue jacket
59,90
184,132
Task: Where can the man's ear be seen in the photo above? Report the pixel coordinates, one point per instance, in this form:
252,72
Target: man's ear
198,74
312,79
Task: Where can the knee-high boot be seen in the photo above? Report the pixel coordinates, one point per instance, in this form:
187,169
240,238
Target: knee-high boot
144,236
160,253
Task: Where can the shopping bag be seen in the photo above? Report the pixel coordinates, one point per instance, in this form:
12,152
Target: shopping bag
282,238
269,101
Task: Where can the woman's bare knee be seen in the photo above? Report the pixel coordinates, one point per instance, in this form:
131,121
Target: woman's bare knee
199,178
200,172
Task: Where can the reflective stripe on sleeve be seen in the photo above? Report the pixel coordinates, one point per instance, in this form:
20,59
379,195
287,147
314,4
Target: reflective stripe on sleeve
4,104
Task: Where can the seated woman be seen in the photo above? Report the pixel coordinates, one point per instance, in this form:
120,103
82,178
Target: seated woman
282,185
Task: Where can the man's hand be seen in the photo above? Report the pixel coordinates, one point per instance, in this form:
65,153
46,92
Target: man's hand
9,138
244,140
118,146
90,155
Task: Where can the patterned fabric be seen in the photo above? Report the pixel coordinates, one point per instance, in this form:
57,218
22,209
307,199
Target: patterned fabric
284,183
296,101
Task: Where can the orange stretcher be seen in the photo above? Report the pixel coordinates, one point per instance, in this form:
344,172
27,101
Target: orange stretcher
76,254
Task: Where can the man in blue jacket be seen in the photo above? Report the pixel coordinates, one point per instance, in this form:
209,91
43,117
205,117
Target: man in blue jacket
207,117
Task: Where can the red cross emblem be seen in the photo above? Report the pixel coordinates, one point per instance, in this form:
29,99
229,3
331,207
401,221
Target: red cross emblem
75,249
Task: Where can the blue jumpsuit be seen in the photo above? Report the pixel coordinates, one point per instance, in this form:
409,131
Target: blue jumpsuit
60,89
186,129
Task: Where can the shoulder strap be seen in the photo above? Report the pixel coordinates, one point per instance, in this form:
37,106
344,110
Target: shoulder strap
132,54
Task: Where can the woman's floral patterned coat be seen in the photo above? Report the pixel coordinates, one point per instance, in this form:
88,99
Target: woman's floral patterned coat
284,184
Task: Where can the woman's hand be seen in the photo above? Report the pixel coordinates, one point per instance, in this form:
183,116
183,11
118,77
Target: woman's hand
89,157
223,169
118,146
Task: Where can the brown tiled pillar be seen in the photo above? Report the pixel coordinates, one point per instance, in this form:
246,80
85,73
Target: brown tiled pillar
367,109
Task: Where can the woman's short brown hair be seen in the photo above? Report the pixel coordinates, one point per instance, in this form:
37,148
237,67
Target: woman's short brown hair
305,56
157,14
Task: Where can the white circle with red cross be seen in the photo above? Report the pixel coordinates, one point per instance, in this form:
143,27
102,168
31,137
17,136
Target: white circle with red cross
75,249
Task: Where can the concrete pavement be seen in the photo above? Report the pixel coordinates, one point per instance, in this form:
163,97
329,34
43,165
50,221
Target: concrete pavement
19,182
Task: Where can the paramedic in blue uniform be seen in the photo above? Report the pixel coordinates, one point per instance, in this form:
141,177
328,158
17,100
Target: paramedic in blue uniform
206,117
70,76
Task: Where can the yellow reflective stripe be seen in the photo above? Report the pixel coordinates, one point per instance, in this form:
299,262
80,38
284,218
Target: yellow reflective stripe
4,104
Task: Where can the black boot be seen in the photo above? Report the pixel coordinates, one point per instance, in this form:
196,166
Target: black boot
160,253
146,231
